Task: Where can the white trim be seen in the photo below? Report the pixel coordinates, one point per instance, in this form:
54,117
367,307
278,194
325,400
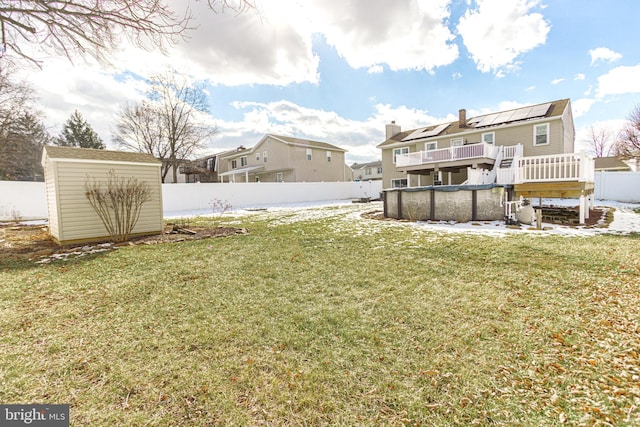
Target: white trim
535,144
493,138
238,171
113,162
456,142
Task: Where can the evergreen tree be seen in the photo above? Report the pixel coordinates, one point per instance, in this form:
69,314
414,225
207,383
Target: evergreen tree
21,145
77,132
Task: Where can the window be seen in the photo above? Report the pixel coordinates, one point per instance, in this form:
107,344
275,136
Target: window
243,161
257,156
257,179
489,137
541,134
264,156
457,142
397,151
279,177
367,171
399,183
428,146
328,156
379,170
308,153
211,163
234,164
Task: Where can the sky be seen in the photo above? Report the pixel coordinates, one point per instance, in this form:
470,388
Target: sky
337,71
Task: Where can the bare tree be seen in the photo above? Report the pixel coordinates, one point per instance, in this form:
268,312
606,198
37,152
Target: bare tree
118,202
15,98
170,124
601,141
22,133
139,128
628,144
93,28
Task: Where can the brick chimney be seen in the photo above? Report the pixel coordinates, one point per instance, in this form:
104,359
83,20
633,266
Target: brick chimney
392,129
462,118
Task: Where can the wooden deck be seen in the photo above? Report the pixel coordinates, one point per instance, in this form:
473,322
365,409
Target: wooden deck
554,190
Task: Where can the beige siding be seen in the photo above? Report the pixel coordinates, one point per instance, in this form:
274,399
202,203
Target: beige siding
569,131
291,161
318,168
78,220
52,202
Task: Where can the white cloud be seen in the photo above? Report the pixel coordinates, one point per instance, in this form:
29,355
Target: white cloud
498,32
375,69
556,81
95,93
405,34
579,76
620,80
456,76
582,106
603,54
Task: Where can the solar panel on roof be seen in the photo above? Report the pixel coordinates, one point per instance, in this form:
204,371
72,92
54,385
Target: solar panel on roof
539,110
503,117
424,133
487,120
520,113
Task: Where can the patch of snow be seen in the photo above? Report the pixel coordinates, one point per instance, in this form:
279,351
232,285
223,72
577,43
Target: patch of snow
347,217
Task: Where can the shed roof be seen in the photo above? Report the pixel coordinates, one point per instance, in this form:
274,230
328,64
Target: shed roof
610,163
55,152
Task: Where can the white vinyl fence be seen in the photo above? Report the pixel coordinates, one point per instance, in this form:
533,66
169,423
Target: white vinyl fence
27,200
619,186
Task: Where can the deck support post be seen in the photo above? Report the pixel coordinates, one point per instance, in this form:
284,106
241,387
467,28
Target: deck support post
584,208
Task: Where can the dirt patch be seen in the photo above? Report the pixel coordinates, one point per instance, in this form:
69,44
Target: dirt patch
29,241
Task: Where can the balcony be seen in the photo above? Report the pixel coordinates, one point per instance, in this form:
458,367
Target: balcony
448,157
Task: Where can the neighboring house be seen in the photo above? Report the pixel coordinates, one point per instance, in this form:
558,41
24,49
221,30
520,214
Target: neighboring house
203,169
181,176
278,158
367,171
528,151
72,219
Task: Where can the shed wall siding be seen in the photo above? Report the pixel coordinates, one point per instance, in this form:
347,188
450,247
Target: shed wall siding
79,221
52,204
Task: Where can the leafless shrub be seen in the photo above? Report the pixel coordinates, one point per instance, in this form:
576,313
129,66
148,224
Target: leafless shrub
118,202
219,207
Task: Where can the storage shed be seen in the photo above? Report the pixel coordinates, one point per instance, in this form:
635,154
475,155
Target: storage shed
72,219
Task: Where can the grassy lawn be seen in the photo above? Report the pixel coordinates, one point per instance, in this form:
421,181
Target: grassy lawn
331,319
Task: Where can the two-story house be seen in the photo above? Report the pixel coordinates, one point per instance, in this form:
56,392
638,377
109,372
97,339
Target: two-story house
371,171
528,151
277,158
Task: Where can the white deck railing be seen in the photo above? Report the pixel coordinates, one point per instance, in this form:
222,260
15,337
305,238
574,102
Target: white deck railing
462,152
561,167
511,151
